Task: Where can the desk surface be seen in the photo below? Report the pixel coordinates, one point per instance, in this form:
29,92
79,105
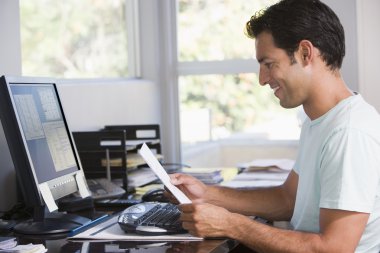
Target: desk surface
66,246
205,246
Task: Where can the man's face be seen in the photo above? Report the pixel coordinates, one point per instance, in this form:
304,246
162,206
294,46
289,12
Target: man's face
286,78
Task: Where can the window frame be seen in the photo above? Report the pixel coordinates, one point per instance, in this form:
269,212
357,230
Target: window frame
230,66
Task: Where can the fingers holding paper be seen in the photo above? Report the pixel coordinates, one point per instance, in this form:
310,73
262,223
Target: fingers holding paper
200,218
190,186
206,220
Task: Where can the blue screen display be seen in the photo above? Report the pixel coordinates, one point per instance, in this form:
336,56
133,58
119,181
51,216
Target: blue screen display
45,131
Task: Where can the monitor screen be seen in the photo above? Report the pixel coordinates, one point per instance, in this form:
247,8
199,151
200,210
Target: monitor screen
46,136
39,139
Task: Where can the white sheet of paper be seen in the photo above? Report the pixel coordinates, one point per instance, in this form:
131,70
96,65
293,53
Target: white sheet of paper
157,168
48,197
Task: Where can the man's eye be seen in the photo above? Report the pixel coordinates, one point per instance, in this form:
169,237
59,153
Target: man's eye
268,65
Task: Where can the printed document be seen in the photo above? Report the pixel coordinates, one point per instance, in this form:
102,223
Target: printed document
157,168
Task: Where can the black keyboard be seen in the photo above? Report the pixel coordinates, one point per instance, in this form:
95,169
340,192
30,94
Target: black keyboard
151,218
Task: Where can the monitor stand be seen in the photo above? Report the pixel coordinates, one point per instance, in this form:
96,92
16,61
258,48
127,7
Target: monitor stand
50,225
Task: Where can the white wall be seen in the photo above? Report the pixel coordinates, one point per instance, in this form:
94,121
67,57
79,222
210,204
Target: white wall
91,105
10,64
10,44
346,11
368,20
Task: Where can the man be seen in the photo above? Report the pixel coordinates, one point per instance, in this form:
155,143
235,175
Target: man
331,197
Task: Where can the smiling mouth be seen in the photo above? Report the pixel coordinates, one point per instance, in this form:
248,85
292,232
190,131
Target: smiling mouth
275,89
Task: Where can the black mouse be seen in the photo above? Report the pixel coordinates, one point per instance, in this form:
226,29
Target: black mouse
154,195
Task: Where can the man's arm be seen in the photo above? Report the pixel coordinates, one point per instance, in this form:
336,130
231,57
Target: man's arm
273,203
208,216
340,230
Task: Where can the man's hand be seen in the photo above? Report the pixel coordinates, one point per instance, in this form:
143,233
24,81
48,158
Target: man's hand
190,186
206,220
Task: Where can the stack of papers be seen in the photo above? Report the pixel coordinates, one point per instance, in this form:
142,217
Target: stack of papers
144,189
262,173
7,242
206,175
141,176
211,175
133,160
268,164
28,248
257,179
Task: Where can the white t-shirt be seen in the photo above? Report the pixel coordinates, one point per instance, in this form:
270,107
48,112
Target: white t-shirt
339,168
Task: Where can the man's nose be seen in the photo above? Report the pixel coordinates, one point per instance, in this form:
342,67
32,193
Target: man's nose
264,76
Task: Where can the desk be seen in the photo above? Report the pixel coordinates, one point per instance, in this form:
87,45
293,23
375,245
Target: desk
62,244
65,246
212,246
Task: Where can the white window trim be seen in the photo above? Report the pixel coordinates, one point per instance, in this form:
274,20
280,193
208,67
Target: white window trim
218,67
133,37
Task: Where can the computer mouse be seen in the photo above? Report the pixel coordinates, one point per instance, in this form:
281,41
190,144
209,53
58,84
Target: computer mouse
154,195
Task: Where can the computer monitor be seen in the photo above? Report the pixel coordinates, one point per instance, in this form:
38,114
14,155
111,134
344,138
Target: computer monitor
42,149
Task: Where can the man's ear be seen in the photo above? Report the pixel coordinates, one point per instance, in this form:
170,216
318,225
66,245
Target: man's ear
306,51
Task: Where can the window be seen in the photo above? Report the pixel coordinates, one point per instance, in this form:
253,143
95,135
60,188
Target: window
214,29
215,107
219,94
74,39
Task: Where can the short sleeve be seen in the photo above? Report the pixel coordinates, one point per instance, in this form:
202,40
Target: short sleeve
349,172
